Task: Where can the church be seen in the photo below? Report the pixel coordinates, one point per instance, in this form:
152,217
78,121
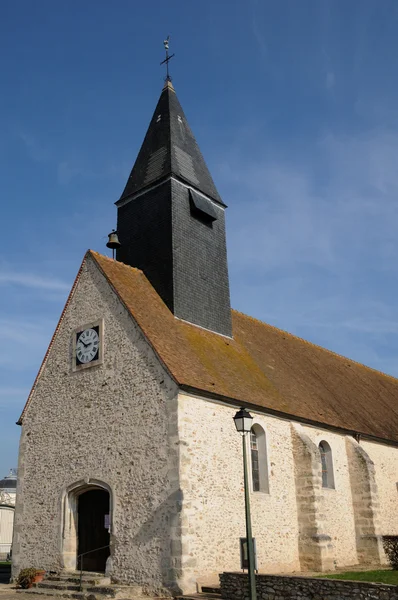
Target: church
129,460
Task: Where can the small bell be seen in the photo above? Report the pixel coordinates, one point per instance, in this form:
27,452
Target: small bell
113,242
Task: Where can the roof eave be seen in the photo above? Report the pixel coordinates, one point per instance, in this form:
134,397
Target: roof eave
283,415
125,198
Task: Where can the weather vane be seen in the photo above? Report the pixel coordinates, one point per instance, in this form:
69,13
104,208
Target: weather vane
168,58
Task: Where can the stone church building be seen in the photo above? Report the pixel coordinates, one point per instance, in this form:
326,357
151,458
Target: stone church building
128,443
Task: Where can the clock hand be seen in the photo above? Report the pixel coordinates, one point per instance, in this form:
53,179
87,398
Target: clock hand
85,345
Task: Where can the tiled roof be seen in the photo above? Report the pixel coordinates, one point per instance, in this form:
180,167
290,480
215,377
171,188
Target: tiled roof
261,366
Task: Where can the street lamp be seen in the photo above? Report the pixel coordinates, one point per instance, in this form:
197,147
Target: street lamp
243,423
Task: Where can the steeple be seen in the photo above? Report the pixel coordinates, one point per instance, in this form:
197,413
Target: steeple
170,148
171,221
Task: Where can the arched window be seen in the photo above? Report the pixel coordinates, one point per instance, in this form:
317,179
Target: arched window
327,465
259,466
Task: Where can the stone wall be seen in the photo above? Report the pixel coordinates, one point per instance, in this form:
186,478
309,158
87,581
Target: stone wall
234,586
365,501
113,425
385,461
211,479
298,524
314,542
335,505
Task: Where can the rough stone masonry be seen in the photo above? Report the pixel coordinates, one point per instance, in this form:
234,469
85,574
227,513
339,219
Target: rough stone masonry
234,586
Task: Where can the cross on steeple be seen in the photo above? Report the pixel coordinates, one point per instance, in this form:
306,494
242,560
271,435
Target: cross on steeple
168,58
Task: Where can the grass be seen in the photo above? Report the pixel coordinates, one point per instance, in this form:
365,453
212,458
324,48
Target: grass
387,576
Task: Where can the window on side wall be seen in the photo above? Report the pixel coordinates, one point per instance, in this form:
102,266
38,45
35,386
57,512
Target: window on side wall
327,465
259,463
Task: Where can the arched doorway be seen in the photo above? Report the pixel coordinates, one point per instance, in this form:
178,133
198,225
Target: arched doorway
93,530
87,509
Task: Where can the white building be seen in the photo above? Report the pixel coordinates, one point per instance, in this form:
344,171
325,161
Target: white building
8,487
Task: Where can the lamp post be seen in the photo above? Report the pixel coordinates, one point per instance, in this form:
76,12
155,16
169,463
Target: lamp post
243,423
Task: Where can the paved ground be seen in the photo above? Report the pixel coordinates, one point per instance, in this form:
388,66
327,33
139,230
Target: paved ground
7,592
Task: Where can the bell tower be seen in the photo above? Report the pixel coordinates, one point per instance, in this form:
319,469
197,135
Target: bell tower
171,221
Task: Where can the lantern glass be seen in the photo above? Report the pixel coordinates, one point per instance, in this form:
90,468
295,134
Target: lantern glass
243,421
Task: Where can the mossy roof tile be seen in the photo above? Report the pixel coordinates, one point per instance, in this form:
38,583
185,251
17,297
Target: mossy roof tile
262,365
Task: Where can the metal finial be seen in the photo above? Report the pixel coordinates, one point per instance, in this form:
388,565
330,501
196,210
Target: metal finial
167,59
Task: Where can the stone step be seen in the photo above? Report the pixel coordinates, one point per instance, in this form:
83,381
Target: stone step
53,593
77,572
86,579
71,586
61,585
47,594
200,596
73,591
211,589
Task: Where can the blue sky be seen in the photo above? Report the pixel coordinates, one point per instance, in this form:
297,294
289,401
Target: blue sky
294,105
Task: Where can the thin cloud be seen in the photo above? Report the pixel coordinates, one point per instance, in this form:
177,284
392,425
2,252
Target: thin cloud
22,344
34,148
13,397
313,244
330,80
22,331
260,39
67,171
10,391
33,281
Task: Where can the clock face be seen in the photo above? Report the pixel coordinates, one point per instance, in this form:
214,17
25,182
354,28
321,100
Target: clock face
87,345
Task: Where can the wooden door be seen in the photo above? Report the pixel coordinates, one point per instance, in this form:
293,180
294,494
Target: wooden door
93,529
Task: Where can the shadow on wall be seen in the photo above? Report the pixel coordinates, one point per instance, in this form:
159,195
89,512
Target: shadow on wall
167,548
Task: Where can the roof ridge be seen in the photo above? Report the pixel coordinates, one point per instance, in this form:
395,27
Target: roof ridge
119,262
317,346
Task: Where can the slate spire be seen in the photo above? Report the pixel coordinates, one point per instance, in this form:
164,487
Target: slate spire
170,148
171,221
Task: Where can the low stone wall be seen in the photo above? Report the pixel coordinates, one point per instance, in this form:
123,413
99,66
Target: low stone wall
234,586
